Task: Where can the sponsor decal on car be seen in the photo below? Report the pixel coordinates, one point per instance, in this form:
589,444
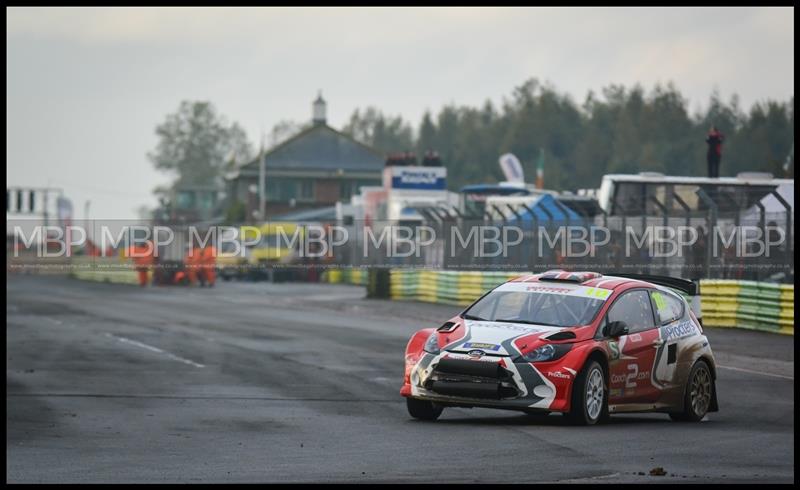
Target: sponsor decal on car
565,289
631,376
661,303
679,331
599,293
504,326
558,374
613,348
549,289
453,355
481,345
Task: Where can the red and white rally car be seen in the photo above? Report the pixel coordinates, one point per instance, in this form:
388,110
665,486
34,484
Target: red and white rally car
574,342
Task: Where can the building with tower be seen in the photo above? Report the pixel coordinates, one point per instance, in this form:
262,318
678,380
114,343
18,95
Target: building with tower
313,169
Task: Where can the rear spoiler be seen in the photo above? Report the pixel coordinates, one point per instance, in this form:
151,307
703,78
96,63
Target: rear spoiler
686,286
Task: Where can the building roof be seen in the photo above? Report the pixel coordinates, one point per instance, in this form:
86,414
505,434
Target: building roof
494,189
319,147
545,208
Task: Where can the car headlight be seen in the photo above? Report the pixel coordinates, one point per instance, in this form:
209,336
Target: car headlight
546,352
432,344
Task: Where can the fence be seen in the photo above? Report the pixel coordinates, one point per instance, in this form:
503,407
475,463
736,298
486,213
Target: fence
728,246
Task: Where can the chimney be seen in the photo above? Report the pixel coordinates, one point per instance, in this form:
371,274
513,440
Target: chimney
319,109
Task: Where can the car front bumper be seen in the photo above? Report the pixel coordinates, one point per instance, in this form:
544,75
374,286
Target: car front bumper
492,381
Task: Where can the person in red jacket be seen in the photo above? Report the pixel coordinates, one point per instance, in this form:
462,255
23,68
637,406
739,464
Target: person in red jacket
714,156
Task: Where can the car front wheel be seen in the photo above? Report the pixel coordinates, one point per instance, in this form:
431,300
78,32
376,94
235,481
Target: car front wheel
589,397
423,410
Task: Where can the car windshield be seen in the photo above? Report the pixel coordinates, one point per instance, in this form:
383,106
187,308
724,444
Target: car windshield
561,310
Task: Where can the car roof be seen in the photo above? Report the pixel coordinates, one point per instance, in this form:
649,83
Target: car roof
584,278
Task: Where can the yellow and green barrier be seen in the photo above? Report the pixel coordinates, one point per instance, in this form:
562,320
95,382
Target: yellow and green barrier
725,303
748,304
447,287
118,270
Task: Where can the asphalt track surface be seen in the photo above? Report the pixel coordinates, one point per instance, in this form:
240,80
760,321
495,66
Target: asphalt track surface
257,382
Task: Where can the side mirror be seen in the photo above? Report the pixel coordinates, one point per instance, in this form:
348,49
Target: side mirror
615,329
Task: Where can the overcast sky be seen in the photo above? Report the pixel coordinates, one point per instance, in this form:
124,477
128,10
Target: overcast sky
86,87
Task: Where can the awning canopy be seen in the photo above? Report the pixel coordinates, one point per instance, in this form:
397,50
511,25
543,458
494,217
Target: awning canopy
544,209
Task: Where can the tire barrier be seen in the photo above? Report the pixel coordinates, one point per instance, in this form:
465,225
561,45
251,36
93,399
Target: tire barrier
447,287
378,284
725,303
748,304
356,276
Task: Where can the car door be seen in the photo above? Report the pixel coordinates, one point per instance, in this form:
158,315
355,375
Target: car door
676,330
633,355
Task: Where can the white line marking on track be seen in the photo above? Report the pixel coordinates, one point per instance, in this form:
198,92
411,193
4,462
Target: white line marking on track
762,373
155,349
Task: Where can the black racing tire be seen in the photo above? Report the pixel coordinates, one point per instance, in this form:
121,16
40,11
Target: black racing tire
423,409
589,404
697,395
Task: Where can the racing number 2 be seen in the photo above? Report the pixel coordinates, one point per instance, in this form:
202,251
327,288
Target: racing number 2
630,380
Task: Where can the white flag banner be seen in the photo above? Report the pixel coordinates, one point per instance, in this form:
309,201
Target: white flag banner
512,168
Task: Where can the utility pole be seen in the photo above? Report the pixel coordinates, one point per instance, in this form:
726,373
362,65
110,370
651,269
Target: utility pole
44,210
86,215
262,198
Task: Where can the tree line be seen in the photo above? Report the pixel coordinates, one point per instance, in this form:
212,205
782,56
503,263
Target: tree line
619,130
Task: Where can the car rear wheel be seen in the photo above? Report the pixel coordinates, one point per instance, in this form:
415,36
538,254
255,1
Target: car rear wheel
698,393
423,409
589,396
